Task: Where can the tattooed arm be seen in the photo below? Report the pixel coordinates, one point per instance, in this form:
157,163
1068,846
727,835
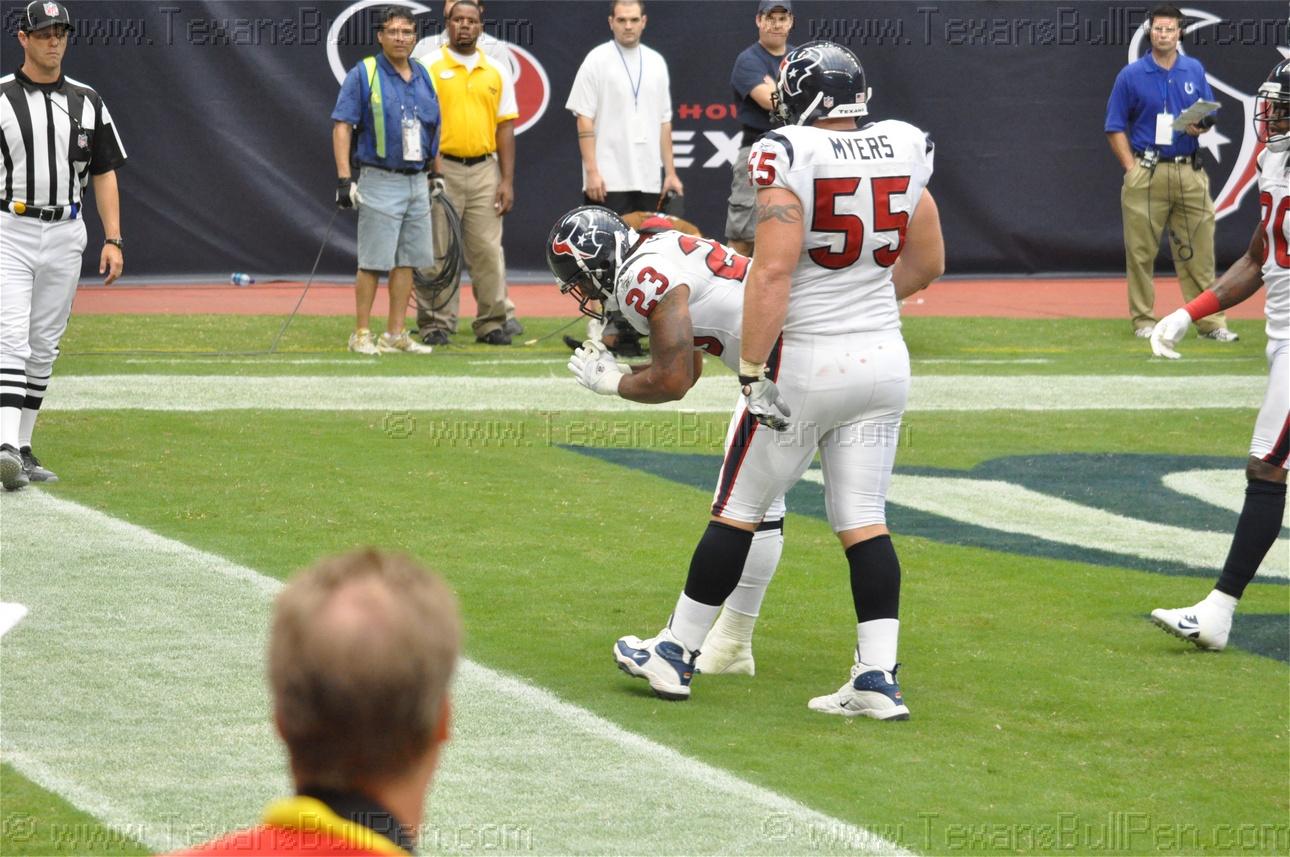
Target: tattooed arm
779,244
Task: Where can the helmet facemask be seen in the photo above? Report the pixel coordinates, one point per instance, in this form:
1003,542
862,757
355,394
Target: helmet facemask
1272,117
585,251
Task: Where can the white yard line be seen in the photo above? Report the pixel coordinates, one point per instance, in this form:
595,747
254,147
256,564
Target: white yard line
135,689
560,393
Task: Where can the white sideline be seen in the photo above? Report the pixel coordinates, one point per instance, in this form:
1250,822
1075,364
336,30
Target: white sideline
134,689
560,393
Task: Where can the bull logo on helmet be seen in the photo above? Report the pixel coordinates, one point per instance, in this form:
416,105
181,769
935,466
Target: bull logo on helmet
793,74
578,238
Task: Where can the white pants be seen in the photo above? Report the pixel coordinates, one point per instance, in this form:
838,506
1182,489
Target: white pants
1270,442
40,265
847,394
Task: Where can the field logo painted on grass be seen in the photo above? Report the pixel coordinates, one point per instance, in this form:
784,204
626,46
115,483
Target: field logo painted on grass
1156,513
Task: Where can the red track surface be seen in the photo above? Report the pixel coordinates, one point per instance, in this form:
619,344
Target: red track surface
1089,298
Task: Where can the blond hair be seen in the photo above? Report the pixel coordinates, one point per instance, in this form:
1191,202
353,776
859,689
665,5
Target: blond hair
361,653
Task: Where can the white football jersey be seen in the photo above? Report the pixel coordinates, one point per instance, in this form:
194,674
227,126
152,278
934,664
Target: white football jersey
858,190
1274,198
715,275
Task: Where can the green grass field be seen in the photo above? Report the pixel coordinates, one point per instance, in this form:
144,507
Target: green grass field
1048,714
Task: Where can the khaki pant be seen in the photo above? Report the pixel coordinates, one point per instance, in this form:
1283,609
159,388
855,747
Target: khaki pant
1174,196
470,190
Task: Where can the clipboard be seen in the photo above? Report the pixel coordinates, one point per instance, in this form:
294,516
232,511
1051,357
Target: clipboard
1195,113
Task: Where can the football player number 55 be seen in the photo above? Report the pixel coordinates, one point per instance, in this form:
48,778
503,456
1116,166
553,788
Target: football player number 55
761,168
826,218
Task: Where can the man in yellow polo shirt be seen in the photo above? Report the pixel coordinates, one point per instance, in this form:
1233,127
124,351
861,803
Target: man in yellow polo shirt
477,144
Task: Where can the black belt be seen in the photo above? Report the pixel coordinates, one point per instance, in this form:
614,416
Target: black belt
469,162
47,213
1193,158
403,171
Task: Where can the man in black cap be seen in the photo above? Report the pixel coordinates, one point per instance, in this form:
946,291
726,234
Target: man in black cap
42,235
753,80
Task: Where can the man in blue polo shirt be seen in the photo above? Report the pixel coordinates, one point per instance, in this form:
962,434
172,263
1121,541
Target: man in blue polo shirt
1164,183
392,102
753,80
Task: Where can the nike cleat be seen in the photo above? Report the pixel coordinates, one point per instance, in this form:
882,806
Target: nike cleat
661,660
871,692
1207,629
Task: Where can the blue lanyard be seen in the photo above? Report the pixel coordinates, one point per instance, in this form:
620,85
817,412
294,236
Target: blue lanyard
640,72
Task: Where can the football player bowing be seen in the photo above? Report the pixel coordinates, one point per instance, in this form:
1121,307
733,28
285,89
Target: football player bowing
686,294
1266,263
845,228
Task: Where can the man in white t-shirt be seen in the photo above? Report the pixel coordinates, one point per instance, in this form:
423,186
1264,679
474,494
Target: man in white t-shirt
622,100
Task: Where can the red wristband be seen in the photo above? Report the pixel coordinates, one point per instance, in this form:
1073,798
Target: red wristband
1206,303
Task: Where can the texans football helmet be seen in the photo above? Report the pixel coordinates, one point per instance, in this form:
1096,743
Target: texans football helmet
586,248
819,80
1272,109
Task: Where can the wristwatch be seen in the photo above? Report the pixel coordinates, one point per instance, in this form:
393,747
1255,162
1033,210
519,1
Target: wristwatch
118,243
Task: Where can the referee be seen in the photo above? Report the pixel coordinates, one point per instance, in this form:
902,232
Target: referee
55,134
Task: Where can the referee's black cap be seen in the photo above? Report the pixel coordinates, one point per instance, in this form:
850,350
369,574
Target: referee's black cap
45,13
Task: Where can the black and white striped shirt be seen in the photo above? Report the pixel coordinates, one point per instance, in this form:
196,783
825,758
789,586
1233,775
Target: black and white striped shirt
53,137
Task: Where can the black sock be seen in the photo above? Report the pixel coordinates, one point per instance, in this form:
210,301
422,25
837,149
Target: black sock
875,579
1256,532
718,563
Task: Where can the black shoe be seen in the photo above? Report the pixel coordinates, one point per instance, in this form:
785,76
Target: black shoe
495,337
436,337
12,475
513,327
627,347
32,467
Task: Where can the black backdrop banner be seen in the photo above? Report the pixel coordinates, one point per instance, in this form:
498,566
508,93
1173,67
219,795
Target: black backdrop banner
224,111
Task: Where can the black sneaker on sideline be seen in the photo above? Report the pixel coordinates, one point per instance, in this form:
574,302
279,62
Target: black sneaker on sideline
12,476
513,327
436,337
32,467
495,337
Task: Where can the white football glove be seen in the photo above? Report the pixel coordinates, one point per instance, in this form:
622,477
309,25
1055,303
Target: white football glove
595,368
1169,330
764,400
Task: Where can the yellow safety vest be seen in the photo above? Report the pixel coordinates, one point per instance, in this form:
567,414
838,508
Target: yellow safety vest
378,110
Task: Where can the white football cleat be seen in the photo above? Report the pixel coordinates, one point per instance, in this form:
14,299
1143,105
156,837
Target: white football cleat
725,651
1198,624
870,692
388,343
661,660
360,342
